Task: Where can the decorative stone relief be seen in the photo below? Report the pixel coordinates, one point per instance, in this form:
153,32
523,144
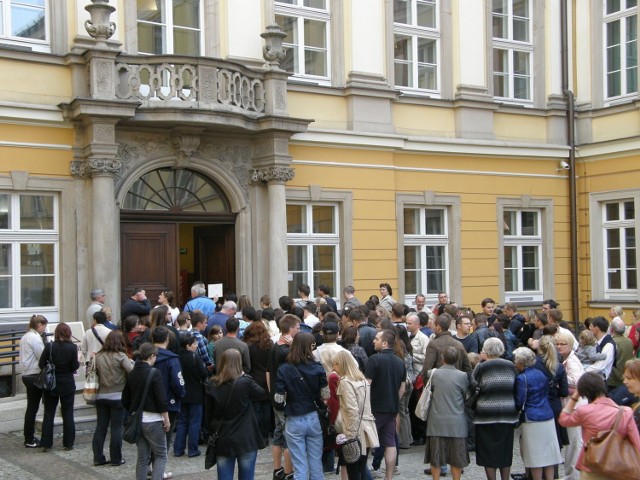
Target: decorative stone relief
272,51
104,77
95,167
99,27
185,145
272,174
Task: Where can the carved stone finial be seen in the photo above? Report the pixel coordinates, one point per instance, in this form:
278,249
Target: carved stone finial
100,27
272,51
272,174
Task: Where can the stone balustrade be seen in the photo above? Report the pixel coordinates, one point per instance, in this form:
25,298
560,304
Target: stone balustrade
186,82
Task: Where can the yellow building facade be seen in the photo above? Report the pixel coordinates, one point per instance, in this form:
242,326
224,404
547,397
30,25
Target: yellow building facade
486,148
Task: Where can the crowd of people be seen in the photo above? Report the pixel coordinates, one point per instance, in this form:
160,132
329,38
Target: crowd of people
253,376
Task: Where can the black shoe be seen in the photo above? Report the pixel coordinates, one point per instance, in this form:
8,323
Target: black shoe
197,454
117,464
67,448
99,464
46,449
33,443
419,442
519,476
427,471
278,474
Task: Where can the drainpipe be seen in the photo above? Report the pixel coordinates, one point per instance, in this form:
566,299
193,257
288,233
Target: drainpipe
571,141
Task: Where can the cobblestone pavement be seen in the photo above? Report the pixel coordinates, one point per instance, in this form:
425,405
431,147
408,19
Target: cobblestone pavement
18,462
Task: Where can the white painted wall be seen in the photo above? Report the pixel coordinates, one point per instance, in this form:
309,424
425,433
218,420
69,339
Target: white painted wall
244,28
365,22
469,26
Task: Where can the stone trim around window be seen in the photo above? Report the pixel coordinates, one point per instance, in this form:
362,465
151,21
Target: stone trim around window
452,203
344,200
598,294
545,206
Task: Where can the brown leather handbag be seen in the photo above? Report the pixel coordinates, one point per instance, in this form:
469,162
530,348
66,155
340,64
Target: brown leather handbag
612,455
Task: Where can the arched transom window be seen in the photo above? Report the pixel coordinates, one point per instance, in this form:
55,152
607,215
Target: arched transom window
171,190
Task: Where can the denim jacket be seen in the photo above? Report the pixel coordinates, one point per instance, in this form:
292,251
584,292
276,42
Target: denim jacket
291,391
532,396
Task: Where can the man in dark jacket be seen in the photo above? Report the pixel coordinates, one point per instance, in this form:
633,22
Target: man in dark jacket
138,304
168,364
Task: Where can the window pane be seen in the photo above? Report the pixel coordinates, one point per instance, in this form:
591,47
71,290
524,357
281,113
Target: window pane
530,223
630,238
500,6
434,222
402,48
612,211
529,280
186,13
411,221
323,219
435,281
500,60
521,8
529,256
427,78
5,211
615,279
402,11
315,63
614,85
412,284
186,42
426,13
36,212
5,259
28,22
613,238
326,278
5,293
613,259
315,4
151,39
151,11
613,6
315,34
509,223
297,255
298,279
37,259
290,62
412,258
613,33
629,210
37,291
520,63
500,26
510,257
435,257
613,58
324,257
402,75
520,30
296,219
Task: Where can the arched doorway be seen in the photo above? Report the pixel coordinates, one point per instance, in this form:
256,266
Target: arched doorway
176,226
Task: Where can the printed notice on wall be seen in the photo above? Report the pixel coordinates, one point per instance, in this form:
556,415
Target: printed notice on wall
214,290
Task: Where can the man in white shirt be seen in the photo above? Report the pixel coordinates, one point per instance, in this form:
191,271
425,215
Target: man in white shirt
97,302
325,352
95,336
310,318
604,344
421,306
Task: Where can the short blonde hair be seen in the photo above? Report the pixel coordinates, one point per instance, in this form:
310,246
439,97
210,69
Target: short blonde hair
567,338
348,368
587,337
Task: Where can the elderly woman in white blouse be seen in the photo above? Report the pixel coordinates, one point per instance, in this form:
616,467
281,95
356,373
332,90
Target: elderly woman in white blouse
574,369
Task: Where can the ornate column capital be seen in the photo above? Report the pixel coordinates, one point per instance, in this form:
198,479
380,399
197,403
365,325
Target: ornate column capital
272,175
96,167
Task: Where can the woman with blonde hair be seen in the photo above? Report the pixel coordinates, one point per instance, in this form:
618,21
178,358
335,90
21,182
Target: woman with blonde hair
358,422
229,412
549,364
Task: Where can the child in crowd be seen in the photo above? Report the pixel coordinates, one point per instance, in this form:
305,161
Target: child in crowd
215,334
587,350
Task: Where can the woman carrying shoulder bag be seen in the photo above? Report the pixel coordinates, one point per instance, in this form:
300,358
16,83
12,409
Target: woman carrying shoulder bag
64,355
358,422
155,415
112,365
229,412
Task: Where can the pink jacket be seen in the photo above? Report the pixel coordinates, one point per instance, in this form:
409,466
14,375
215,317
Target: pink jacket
598,416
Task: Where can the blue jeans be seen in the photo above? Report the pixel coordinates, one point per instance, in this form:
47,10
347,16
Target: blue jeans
189,421
246,466
152,440
304,438
108,412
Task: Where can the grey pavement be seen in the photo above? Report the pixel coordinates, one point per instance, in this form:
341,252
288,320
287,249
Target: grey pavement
18,462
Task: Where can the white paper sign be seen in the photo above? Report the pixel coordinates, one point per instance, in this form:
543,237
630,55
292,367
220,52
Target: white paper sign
214,290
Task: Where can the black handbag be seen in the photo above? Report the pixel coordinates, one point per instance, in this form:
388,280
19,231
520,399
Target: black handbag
132,427
211,455
46,379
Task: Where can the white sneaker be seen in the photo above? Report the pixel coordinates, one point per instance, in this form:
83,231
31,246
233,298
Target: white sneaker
383,469
376,473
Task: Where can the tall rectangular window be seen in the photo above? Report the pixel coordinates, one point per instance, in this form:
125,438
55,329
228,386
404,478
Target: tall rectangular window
512,49
169,27
522,253
416,44
307,25
621,47
24,21
426,251
313,241
620,246
28,251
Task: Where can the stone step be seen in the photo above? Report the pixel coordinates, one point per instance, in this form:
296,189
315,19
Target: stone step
84,416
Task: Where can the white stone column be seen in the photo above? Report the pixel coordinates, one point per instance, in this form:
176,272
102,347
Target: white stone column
275,178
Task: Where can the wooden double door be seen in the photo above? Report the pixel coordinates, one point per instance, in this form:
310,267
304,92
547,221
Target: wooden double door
150,257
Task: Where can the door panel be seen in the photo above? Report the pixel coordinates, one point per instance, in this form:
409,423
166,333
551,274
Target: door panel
215,255
149,258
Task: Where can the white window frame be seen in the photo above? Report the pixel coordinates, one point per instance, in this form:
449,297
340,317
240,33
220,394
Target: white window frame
544,240
512,46
453,277
343,202
16,237
169,27
620,16
415,32
597,202
302,13
34,44
519,241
